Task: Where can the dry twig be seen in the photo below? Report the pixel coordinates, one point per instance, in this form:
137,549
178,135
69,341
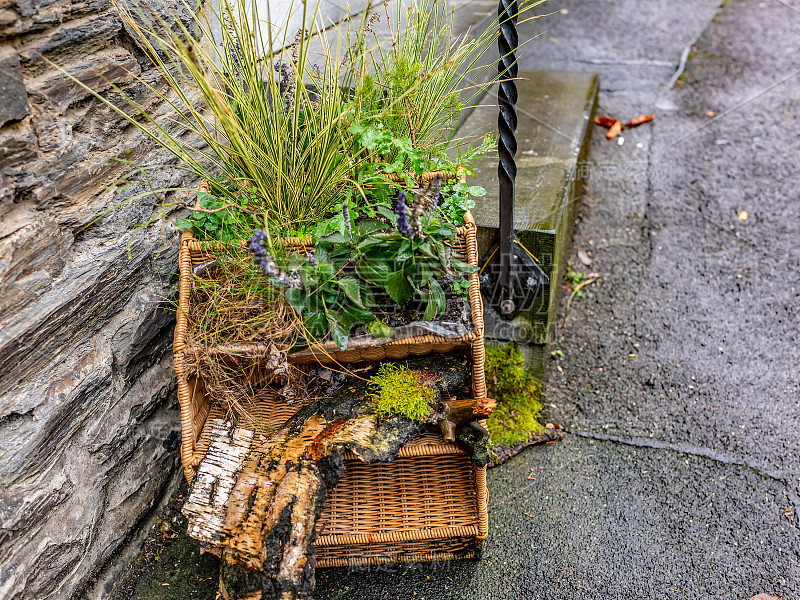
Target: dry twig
575,292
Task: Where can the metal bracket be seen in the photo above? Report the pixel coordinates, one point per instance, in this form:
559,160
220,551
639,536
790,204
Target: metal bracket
526,281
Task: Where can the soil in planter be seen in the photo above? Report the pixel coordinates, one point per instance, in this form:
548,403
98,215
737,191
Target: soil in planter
407,319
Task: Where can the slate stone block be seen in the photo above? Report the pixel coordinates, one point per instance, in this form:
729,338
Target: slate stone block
13,96
87,391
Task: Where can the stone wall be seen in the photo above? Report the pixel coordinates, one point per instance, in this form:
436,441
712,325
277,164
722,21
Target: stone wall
89,422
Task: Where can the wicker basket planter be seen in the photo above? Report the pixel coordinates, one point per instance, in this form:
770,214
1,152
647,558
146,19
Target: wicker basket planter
191,393
429,504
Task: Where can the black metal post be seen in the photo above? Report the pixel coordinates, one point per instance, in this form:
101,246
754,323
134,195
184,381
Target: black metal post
511,279
508,42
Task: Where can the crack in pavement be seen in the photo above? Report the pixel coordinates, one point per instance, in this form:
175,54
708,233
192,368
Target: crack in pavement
702,452
688,50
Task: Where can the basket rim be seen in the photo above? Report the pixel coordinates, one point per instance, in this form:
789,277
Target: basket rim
307,241
403,535
324,562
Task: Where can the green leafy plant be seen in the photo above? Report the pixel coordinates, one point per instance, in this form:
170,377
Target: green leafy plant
216,222
282,139
271,138
400,255
332,150
575,279
418,83
460,287
459,201
395,390
518,394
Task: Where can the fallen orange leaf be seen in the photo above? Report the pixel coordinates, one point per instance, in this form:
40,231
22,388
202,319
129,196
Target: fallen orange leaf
614,131
640,120
606,122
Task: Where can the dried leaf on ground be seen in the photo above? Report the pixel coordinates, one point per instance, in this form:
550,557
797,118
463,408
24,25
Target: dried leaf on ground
640,120
606,122
614,131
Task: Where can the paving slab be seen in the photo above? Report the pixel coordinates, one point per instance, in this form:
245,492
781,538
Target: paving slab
632,45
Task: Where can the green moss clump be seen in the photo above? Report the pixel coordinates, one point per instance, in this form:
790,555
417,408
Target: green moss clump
518,395
397,391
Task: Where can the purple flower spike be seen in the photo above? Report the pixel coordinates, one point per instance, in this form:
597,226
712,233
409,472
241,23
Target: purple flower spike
235,53
270,267
401,209
437,194
346,215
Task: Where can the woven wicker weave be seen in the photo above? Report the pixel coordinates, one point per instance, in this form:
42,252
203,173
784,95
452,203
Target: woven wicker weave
429,504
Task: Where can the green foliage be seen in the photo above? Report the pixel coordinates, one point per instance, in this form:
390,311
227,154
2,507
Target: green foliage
375,260
296,150
281,144
414,85
395,154
518,394
460,287
397,391
575,278
224,224
459,201
285,140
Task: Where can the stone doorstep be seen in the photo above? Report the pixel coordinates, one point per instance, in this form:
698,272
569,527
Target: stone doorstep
555,113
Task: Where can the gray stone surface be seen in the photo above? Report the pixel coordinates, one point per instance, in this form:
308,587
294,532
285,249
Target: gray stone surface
597,519
14,105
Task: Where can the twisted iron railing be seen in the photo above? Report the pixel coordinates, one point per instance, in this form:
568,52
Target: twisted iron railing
508,42
512,280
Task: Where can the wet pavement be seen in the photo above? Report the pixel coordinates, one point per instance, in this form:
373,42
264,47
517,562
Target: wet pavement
679,383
